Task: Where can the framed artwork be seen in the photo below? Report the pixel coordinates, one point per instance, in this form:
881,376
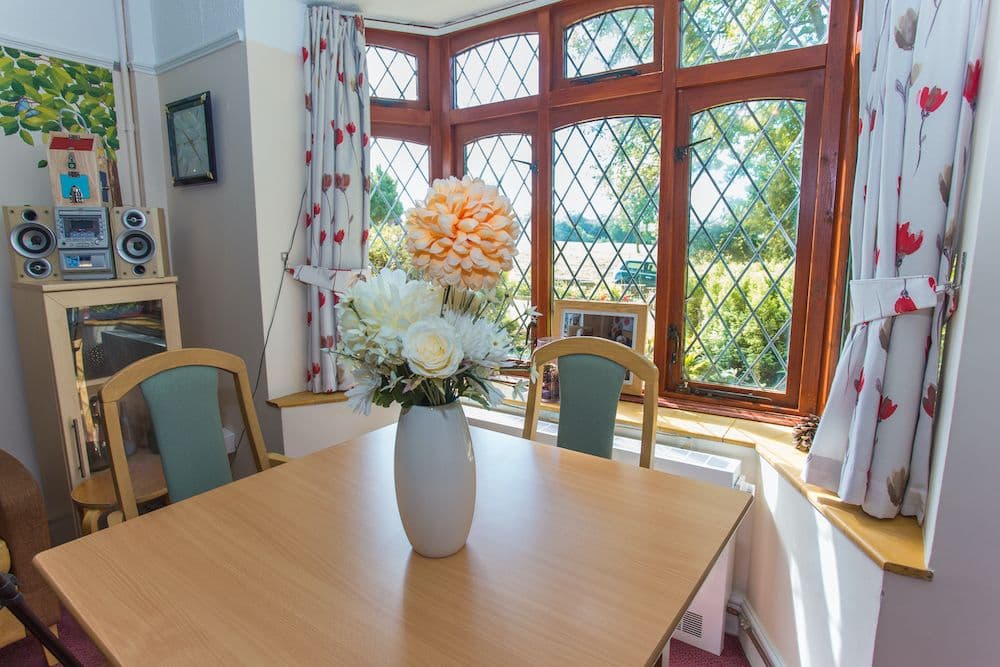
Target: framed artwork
191,141
623,323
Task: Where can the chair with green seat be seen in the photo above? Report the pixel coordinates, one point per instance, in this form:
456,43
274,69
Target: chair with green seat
591,374
180,388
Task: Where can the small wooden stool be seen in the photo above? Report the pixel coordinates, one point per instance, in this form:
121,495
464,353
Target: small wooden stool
95,496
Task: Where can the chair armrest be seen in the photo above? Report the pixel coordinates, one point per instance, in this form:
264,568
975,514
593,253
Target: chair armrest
276,459
4,557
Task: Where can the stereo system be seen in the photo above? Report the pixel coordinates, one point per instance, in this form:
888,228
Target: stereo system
85,243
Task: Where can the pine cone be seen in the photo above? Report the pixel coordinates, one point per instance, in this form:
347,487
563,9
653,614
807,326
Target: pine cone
804,432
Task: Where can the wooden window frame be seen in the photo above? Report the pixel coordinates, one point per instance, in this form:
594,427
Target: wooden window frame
412,45
806,86
823,74
565,15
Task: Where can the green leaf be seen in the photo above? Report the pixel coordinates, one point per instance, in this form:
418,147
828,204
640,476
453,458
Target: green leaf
34,123
9,95
8,110
26,137
12,52
17,87
51,126
9,125
25,63
42,164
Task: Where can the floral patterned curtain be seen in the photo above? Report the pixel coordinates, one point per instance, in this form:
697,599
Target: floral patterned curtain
921,63
336,211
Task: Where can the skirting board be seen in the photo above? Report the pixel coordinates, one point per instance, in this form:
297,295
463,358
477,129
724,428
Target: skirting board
753,653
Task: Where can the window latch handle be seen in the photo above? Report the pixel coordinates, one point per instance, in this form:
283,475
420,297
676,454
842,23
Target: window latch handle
681,152
674,336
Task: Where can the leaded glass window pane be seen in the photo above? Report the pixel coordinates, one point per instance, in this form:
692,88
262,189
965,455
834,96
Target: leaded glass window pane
742,228
505,161
503,69
609,41
392,74
605,200
399,174
717,30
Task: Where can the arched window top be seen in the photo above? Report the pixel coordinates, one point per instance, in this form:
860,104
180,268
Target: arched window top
496,71
717,30
609,41
392,73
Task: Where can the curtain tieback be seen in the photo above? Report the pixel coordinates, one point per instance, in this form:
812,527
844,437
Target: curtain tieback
334,280
878,298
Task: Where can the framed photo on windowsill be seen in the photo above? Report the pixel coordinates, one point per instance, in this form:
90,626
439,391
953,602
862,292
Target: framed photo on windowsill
191,140
623,323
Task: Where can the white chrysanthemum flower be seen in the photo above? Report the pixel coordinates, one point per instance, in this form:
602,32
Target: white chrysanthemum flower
373,315
485,343
360,396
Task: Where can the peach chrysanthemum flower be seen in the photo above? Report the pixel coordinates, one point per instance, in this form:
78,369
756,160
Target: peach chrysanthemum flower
462,234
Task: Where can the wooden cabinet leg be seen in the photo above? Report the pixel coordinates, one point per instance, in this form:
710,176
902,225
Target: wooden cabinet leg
88,520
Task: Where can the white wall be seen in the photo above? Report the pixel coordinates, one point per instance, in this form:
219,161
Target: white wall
277,130
814,592
214,227
182,26
953,619
81,30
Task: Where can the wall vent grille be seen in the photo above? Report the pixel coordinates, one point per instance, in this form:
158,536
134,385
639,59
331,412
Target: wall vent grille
691,624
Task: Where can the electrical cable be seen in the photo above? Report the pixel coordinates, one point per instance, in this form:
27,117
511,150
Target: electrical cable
270,324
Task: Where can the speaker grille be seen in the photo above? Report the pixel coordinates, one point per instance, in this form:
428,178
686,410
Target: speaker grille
32,240
37,268
136,247
133,218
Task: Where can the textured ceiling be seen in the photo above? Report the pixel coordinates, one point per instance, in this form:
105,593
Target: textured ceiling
439,13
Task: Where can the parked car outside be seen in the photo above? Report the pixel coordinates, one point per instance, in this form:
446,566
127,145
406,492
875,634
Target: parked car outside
636,272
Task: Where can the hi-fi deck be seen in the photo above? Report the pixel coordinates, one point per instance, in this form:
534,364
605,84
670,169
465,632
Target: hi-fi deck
83,239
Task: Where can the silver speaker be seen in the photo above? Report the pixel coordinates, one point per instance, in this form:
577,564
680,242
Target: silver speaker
138,241
32,245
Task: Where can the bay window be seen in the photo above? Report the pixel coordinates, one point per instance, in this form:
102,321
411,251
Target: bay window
687,155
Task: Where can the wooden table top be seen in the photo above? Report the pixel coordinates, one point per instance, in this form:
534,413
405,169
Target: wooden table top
572,559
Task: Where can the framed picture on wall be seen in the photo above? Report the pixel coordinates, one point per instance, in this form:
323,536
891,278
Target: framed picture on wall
191,141
623,323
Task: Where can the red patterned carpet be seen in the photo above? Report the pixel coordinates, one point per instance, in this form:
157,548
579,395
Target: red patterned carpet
27,653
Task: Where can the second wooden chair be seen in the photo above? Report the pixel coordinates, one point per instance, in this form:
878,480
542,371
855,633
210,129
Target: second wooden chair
591,374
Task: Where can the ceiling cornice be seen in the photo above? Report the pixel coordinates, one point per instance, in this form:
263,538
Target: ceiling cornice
457,24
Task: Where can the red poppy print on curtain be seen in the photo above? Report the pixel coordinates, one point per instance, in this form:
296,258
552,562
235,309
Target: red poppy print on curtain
930,100
336,160
920,72
973,72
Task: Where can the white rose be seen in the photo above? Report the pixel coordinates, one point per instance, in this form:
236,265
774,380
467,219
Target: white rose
432,348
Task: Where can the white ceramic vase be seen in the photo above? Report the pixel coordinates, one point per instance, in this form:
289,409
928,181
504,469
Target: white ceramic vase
435,471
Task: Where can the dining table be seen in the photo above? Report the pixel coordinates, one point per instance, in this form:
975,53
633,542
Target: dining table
572,559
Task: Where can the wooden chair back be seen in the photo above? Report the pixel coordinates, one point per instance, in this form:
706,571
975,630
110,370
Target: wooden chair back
149,368
597,375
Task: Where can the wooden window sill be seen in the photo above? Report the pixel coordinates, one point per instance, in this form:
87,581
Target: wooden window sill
302,398
895,545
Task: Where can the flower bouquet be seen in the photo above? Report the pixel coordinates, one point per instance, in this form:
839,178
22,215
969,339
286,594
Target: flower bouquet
424,342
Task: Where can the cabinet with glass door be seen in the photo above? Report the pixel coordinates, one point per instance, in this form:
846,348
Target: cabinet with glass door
73,337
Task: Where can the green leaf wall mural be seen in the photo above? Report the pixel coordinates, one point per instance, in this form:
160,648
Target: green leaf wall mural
41,94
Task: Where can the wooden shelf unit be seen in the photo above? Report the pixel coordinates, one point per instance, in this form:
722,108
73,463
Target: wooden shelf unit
53,389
